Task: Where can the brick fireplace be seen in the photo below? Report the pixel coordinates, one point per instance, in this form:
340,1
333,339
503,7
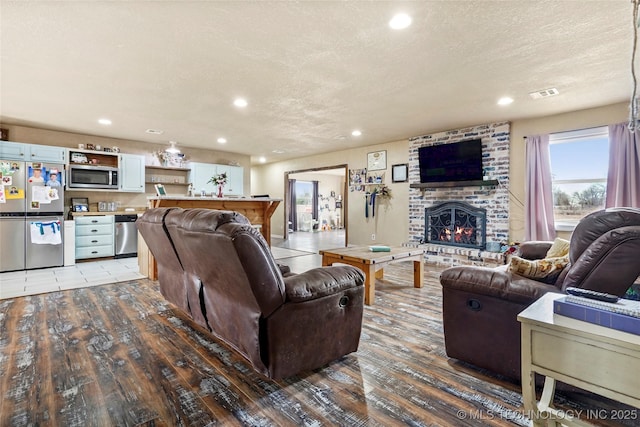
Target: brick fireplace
494,199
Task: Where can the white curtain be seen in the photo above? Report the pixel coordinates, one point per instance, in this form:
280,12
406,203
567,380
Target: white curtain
539,222
623,178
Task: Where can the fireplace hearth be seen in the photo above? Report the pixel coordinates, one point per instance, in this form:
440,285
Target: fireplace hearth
456,224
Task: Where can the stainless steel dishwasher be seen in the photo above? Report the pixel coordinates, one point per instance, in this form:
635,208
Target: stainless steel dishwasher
126,236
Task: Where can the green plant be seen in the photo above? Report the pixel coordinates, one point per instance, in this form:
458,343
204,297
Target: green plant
220,179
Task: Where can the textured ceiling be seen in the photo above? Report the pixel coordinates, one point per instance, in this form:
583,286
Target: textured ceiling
312,71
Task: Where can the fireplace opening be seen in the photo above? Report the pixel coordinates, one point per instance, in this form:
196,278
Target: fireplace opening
456,224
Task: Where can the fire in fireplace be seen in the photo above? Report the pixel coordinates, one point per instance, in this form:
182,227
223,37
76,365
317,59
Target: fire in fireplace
456,224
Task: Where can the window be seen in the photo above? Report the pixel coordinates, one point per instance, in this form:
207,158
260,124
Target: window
579,162
304,205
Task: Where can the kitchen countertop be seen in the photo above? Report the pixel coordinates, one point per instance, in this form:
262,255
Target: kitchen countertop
96,213
209,198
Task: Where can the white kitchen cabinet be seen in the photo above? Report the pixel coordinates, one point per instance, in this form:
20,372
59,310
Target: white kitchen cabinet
94,236
131,167
202,172
31,152
199,175
47,153
13,151
235,179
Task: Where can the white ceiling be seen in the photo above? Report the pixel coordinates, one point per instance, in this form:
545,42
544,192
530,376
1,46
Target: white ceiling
312,71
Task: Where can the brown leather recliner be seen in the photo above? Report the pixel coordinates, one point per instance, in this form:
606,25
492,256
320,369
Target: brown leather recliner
281,324
480,305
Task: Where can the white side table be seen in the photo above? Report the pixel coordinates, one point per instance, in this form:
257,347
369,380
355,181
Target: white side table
598,359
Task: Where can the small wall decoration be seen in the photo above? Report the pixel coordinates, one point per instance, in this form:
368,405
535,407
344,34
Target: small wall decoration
357,179
399,173
377,160
4,134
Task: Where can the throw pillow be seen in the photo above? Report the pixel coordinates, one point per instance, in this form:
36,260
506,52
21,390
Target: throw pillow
559,248
539,268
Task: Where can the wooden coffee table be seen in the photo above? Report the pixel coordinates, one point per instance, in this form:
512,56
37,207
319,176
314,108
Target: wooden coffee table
372,263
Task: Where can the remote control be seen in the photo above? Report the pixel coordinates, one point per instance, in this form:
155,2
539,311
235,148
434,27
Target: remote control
587,293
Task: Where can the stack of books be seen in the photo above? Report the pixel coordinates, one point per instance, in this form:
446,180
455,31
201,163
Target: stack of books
379,248
623,315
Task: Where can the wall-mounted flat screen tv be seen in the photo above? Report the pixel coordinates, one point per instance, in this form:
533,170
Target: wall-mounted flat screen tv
458,161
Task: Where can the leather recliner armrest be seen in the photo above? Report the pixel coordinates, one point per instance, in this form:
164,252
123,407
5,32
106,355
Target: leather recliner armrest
495,283
322,281
533,249
285,270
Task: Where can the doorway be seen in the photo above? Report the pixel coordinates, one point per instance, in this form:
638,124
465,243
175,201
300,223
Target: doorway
315,208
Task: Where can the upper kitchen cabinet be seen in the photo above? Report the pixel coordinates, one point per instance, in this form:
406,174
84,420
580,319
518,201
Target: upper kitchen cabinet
45,153
235,179
31,152
13,151
131,173
201,173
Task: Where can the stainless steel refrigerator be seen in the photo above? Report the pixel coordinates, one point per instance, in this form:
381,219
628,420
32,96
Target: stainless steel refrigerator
31,215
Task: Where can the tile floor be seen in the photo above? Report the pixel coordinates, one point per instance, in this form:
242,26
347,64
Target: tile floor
299,252
83,274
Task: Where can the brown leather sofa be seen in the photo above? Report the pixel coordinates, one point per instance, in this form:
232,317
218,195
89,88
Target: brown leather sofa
217,268
480,305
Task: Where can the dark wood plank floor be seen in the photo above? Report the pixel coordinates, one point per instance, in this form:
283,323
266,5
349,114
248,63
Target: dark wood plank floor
120,355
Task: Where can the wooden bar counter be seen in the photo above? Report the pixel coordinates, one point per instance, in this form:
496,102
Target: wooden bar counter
257,210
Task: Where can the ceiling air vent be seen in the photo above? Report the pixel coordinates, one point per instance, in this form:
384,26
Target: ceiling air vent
154,131
545,93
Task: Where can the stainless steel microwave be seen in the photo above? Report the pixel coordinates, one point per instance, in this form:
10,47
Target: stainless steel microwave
83,176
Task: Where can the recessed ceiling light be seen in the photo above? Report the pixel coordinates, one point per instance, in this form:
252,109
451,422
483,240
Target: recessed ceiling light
222,140
262,159
240,102
154,131
505,101
400,21
105,122
356,133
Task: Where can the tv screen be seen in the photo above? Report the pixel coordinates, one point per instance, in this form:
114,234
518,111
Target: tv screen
458,161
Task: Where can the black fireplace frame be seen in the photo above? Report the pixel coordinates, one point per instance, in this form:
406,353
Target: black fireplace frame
456,206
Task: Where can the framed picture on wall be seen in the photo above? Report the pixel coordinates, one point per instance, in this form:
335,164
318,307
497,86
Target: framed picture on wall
377,160
399,173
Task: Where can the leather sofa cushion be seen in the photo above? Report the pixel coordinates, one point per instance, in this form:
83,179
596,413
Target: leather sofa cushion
534,249
320,282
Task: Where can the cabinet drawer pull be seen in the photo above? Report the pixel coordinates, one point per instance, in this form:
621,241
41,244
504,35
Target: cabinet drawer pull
94,231
94,221
94,241
94,252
